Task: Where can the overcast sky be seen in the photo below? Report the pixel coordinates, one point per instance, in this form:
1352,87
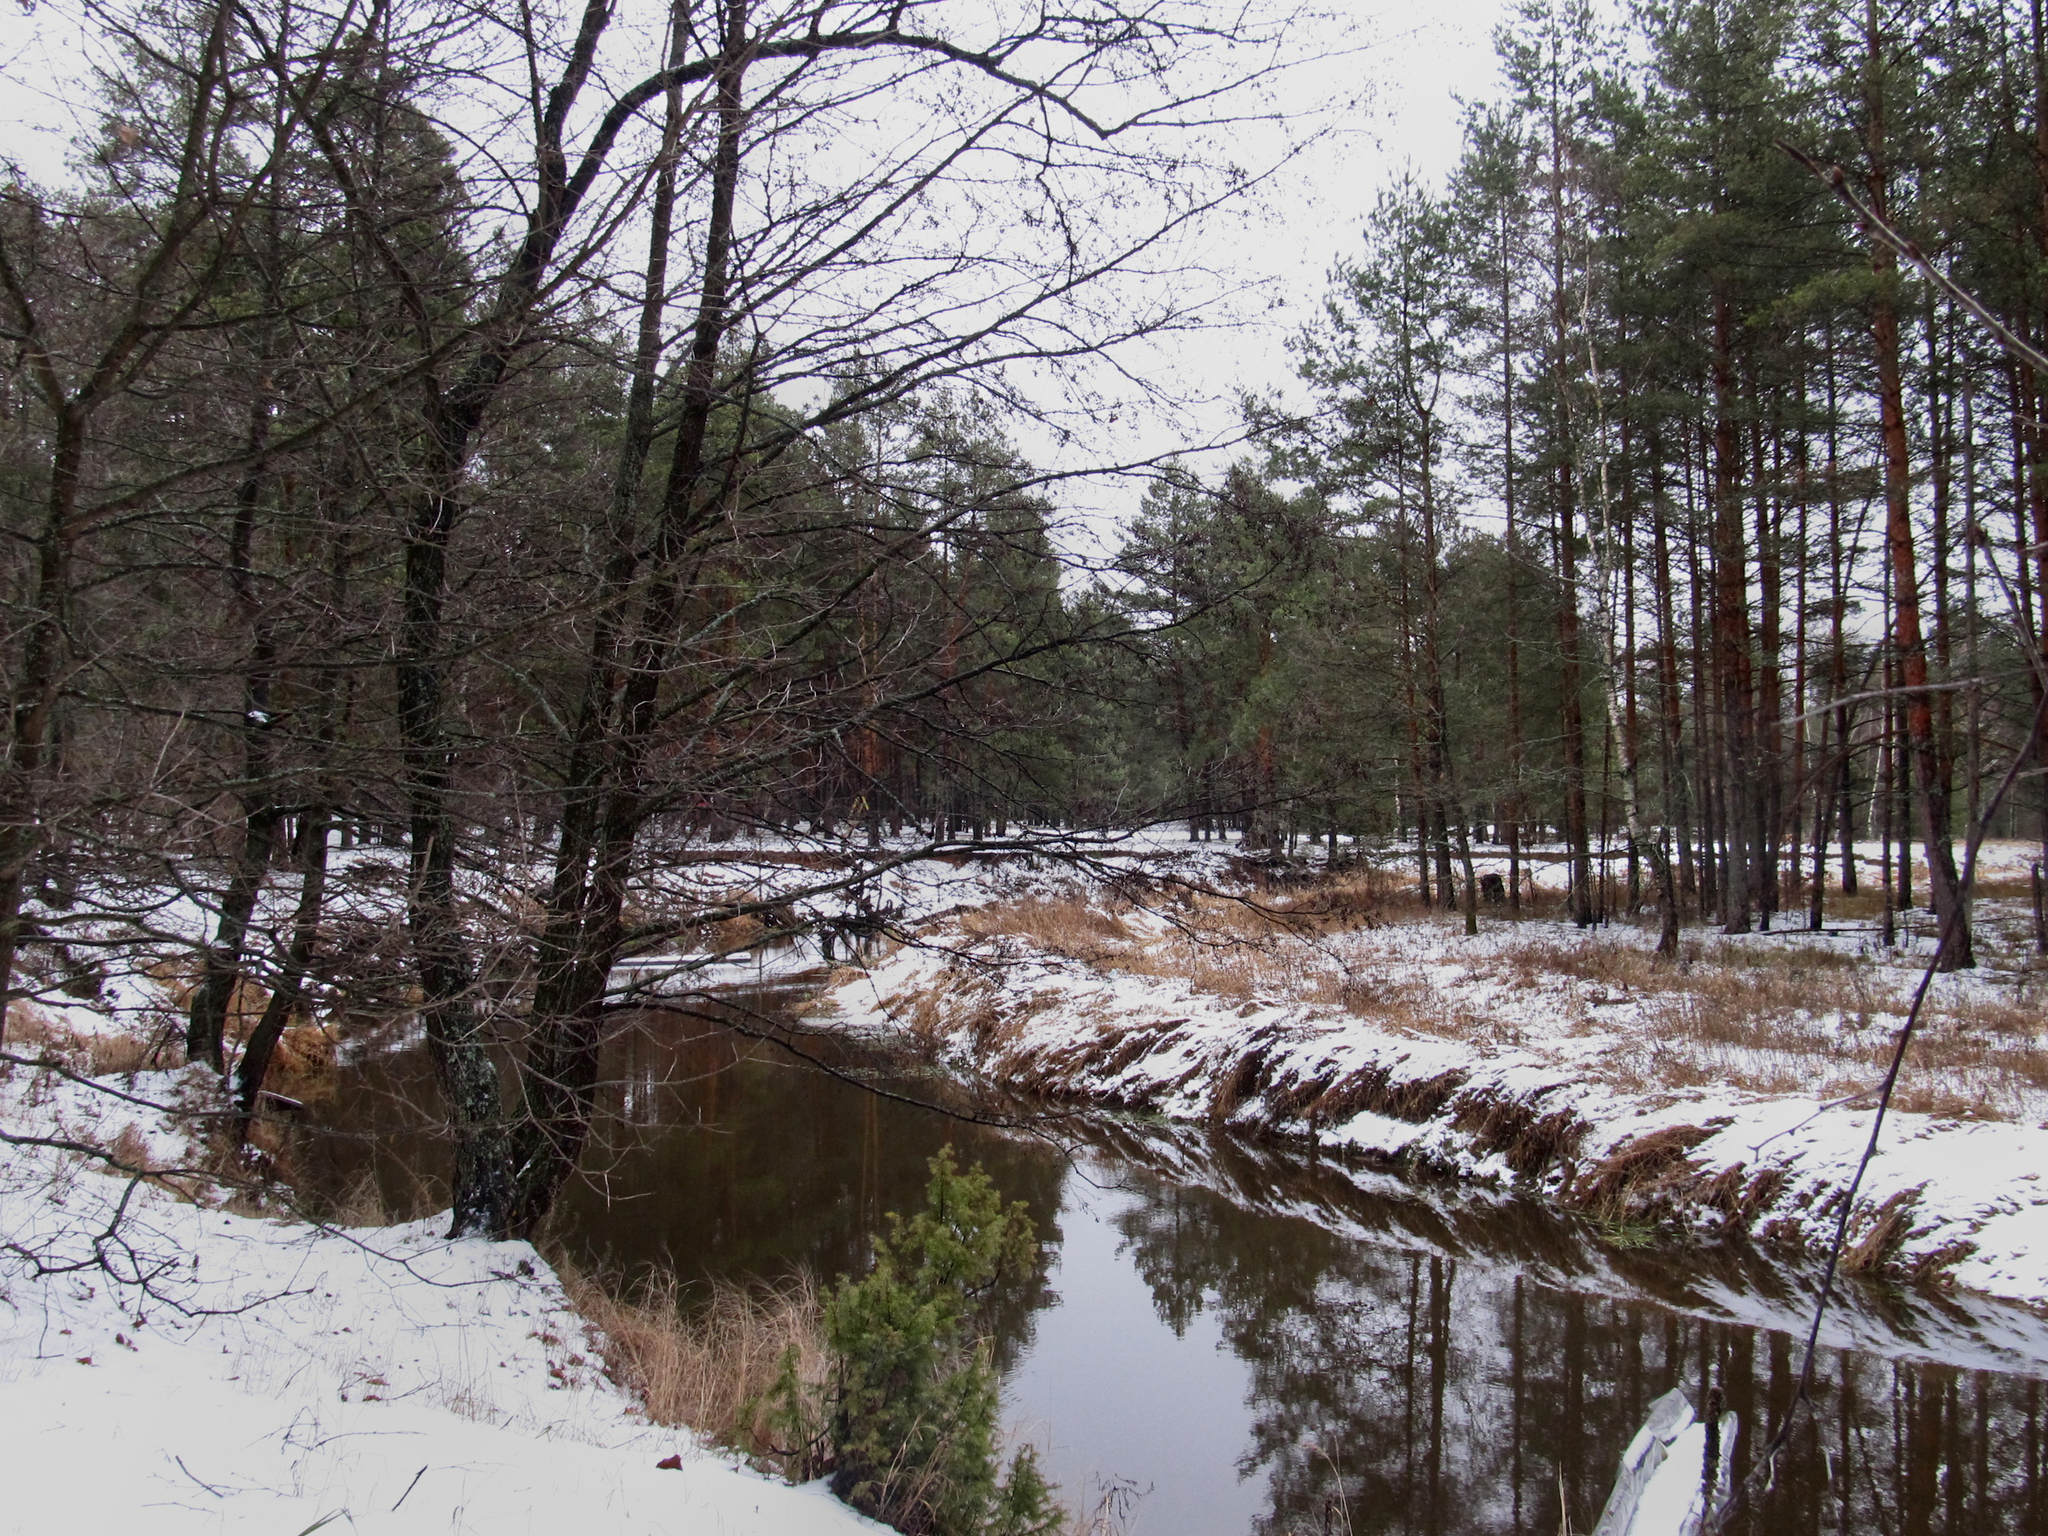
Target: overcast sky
1417,71
1417,67
1415,63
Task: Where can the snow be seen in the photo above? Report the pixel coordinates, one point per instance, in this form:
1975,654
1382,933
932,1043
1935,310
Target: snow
200,1371
1458,1031
208,1371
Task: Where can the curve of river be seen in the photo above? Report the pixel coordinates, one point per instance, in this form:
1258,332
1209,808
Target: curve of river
1229,1338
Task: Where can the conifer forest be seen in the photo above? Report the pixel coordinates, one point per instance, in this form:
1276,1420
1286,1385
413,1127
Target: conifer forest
502,502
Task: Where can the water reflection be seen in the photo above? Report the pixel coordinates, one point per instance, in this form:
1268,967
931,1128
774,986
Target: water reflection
1277,1346
1437,1395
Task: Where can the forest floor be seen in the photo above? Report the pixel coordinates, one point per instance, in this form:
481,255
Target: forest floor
173,1362
1729,1093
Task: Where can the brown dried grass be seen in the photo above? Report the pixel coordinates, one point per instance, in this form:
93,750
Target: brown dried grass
129,1148
1226,969
961,999
32,1032
1374,1089
1259,947
1525,1136
1643,1180
368,1201
706,1362
1877,1235
1068,926
1341,903
1775,1016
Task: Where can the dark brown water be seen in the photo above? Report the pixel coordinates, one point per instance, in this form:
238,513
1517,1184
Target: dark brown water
1235,1339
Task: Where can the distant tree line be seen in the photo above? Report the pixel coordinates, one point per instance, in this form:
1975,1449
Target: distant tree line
1645,504
552,445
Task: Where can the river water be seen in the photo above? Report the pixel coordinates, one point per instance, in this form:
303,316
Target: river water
1227,1339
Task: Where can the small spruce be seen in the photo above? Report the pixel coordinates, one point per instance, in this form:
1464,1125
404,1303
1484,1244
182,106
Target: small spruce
908,1425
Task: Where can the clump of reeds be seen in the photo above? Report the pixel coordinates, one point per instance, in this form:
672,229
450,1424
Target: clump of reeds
32,1032
705,1360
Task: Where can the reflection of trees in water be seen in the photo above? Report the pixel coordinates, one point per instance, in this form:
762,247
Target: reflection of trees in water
1443,1392
718,1156
721,1156
1440,1397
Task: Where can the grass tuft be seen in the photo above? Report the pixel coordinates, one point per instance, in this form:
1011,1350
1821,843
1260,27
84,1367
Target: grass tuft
706,1362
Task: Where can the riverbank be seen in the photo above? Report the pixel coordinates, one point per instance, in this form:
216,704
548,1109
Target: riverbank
170,1365
293,1372
1720,1097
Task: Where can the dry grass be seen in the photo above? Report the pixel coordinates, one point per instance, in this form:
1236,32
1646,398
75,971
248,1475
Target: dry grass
1874,1237
1782,1015
367,1202
1238,969
707,1365
32,1032
1270,947
1779,1030
129,1148
1068,926
1794,1018
1079,929
1641,1180
1341,903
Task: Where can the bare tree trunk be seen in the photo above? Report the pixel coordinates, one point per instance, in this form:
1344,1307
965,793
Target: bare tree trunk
1922,749
262,812
584,929
1731,636
288,993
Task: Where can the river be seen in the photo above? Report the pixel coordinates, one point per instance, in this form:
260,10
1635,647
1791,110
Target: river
1231,1339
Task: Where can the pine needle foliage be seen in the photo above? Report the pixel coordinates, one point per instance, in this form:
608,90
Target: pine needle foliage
907,1425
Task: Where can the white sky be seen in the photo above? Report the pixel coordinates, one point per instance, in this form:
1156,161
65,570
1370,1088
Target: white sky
1417,67
1417,73
1414,66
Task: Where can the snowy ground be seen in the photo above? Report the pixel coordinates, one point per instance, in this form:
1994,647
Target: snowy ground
167,1365
1720,1095
171,1367
186,1368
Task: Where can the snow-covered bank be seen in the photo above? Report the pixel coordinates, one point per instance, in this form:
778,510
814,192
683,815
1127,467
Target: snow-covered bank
173,1367
1496,1060
1487,1231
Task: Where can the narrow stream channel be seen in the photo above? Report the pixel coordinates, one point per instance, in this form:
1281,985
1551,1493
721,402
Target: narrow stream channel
1227,1337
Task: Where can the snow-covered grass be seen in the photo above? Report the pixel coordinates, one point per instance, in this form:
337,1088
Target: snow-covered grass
168,1365
170,1361
1727,1093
